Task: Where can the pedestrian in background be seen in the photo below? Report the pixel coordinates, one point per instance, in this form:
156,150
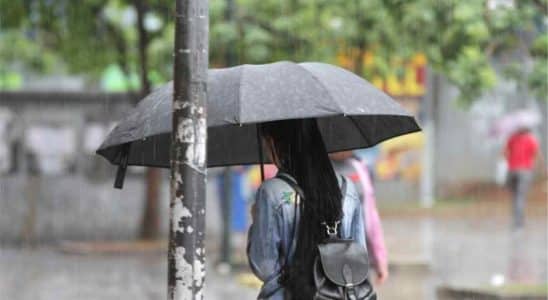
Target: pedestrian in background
520,152
352,167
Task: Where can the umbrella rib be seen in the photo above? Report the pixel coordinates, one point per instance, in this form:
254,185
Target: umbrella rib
239,116
323,87
367,141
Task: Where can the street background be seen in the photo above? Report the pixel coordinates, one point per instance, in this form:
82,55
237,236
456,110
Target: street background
69,71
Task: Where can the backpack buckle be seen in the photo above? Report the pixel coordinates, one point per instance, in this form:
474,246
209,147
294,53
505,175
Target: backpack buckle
332,231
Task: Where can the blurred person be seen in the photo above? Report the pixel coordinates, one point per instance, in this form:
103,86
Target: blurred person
232,198
348,164
278,231
254,175
520,152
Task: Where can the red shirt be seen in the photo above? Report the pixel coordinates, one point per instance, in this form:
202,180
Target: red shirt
521,151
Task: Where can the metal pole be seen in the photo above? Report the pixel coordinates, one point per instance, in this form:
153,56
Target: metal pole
186,254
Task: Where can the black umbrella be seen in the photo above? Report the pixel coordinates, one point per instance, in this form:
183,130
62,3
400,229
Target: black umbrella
351,113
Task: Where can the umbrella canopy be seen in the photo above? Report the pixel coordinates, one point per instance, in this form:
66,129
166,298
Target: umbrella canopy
351,113
514,121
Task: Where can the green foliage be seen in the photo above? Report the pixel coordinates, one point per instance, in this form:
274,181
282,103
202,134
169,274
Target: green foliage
78,37
16,48
460,38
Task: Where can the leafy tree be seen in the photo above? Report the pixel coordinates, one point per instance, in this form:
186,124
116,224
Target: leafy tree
86,36
461,39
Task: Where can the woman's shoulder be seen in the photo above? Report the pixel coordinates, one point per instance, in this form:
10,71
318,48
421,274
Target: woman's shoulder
276,191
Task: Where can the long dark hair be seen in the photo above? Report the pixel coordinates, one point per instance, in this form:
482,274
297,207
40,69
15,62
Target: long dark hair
301,152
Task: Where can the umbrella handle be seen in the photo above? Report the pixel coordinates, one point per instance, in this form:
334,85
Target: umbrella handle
122,167
260,147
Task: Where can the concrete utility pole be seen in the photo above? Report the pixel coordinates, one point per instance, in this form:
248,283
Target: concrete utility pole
186,254
429,124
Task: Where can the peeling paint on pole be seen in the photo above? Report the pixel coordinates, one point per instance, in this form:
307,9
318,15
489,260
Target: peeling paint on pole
186,255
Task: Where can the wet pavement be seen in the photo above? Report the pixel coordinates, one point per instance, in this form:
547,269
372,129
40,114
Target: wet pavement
45,273
436,251
464,252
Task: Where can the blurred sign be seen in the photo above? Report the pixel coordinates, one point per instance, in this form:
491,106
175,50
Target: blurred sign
400,158
406,79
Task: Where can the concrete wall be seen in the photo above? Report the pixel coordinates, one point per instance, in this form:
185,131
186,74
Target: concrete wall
41,209
80,204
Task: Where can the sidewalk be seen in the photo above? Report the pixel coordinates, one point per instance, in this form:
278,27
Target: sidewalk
49,274
426,251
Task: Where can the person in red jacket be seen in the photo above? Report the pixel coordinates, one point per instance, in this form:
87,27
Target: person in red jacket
521,152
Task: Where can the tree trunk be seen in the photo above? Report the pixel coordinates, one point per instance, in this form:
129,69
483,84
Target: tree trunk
186,253
358,60
150,221
361,44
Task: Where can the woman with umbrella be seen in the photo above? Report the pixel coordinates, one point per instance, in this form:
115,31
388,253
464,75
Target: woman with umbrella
302,111
297,149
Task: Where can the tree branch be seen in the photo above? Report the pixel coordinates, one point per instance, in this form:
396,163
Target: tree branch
141,9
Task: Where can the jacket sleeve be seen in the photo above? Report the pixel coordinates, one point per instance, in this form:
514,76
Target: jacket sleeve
264,239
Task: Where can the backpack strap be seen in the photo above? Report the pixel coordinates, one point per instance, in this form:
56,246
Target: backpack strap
293,184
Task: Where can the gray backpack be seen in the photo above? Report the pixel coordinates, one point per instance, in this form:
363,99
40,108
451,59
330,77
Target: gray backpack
341,269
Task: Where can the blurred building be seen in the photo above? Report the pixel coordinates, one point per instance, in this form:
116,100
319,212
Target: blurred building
52,184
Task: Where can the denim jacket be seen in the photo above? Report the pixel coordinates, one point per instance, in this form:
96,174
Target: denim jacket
272,228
